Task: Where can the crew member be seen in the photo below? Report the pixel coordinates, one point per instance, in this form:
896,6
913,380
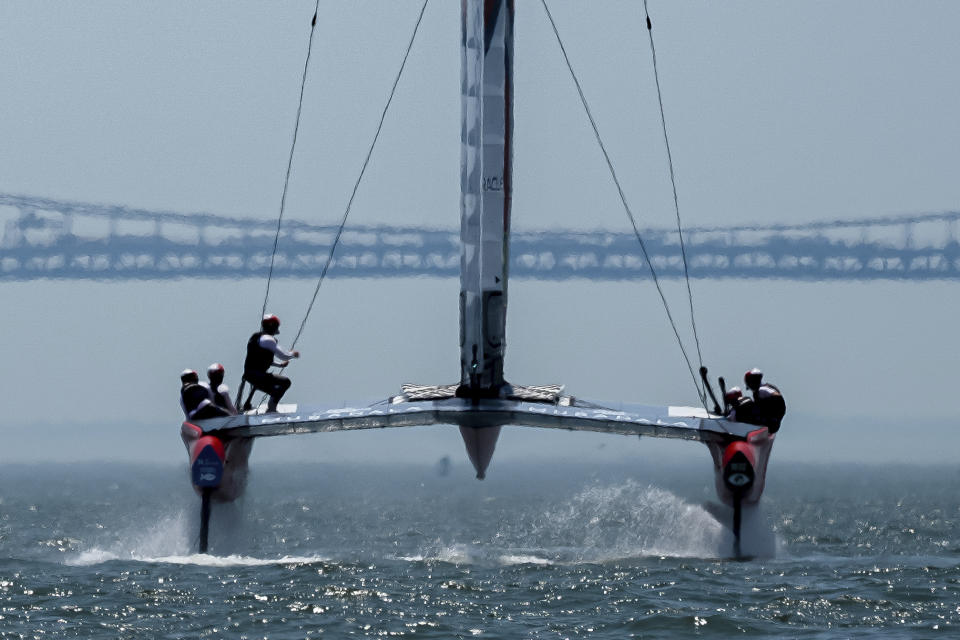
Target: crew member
769,405
196,399
739,408
263,352
219,391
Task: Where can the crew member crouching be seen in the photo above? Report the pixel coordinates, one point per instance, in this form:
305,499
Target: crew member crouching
218,390
196,399
262,351
768,403
739,408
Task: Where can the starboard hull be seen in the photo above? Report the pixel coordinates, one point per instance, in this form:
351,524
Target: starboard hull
218,465
740,466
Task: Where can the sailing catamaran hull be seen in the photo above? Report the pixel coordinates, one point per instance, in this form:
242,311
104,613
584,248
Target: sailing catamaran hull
740,451
731,444
219,448
740,466
218,464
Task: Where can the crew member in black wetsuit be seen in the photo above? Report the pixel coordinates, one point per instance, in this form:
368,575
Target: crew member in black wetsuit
739,408
218,390
263,352
196,399
768,402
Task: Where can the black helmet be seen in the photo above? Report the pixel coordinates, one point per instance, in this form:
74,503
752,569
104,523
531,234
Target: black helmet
752,378
189,375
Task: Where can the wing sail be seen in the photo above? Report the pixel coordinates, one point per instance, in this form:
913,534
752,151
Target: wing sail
485,184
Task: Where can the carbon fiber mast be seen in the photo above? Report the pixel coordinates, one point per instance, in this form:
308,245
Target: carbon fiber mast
486,184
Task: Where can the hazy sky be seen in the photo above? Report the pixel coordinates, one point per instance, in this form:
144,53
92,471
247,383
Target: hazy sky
777,112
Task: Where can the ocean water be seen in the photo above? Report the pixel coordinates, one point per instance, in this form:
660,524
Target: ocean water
534,551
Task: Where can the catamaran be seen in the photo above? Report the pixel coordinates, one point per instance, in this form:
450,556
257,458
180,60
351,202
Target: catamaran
482,402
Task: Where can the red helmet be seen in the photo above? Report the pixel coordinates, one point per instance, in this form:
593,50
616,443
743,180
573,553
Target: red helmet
732,395
752,378
215,368
270,322
189,375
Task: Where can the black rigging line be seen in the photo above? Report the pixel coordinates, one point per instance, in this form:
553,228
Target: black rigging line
673,183
363,169
293,144
623,199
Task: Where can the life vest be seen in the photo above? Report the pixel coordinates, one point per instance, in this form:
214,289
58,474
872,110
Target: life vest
770,406
770,387
258,359
744,411
194,397
220,399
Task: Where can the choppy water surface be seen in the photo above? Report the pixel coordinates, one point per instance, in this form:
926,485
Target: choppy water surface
538,552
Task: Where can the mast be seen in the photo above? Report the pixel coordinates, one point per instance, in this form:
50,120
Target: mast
486,186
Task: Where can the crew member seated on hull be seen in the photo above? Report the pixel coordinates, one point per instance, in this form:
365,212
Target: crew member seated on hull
739,408
218,390
769,406
263,352
196,399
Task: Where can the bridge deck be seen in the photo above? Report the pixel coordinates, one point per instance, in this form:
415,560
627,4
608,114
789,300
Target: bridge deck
53,239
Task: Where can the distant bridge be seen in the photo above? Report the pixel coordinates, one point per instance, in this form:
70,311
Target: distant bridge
53,239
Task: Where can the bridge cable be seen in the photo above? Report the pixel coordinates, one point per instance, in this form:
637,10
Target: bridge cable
626,206
363,169
293,144
673,183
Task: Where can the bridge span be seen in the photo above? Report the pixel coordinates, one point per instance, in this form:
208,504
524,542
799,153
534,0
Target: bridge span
45,238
